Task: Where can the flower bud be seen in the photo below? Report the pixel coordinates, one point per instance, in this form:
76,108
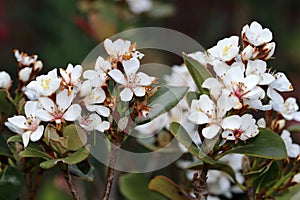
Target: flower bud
247,52
270,48
5,80
38,65
24,74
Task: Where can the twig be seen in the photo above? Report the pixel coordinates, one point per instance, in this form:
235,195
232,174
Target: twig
200,184
71,185
110,171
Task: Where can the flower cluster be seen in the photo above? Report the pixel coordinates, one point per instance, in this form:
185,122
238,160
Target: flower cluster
242,82
86,97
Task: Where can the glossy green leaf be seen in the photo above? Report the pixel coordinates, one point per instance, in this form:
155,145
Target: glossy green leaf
183,137
266,144
15,138
89,176
34,153
270,177
9,110
135,187
168,188
218,165
10,183
190,96
4,150
77,137
162,101
198,72
72,159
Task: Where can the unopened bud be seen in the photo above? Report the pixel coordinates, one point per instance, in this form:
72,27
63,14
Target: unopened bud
5,80
296,179
247,53
38,65
270,48
24,74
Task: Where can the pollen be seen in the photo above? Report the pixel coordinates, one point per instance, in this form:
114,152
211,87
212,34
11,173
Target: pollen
45,83
226,49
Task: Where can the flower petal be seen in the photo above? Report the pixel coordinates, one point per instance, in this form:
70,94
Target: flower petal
31,107
25,138
44,115
103,111
232,122
126,94
63,100
211,131
20,121
143,79
198,118
139,91
118,76
72,113
37,134
103,126
47,104
131,66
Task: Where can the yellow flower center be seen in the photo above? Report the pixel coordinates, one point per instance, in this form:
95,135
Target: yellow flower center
45,83
226,49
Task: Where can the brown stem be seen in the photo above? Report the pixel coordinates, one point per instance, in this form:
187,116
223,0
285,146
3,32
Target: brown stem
71,185
110,171
200,184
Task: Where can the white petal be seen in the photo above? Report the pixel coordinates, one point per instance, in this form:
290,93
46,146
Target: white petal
25,138
13,128
131,66
18,121
102,110
37,134
90,74
72,113
139,91
143,79
199,118
118,76
63,100
47,104
228,135
250,82
86,88
126,94
76,73
211,131
44,115
231,122
275,96
103,126
25,73
31,107
207,105
110,47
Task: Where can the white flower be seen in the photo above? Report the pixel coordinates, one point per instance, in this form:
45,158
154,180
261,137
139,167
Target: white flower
93,122
226,49
205,111
121,50
256,35
293,150
134,82
24,74
45,85
247,53
139,6
5,80
71,77
259,67
61,110
85,88
102,65
241,87
236,127
24,59
180,76
288,108
281,83
201,57
27,126
92,101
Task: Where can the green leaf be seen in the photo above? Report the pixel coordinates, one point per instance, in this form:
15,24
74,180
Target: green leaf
72,159
168,188
9,107
162,101
270,177
10,183
266,144
218,165
183,137
15,138
292,193
34,153
135,187
4,150
77,137
198,72
89,176
190,96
